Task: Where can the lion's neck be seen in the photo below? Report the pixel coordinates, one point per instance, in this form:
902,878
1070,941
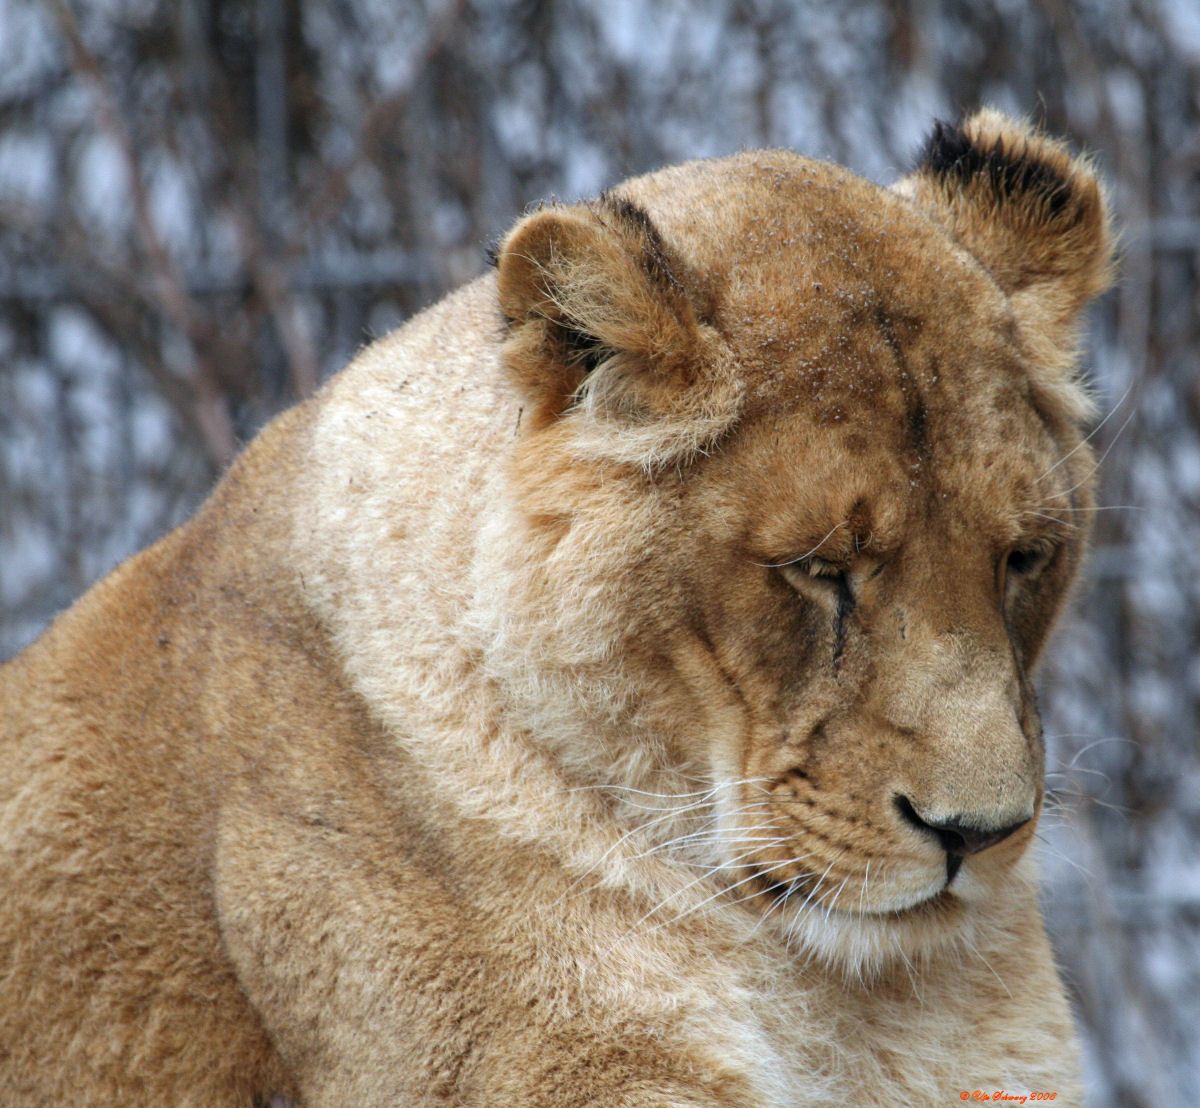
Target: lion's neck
615,847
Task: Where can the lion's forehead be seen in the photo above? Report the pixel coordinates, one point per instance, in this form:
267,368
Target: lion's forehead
838,299
894,455
775,231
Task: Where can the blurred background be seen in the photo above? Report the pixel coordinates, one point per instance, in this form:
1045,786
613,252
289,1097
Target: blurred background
206,206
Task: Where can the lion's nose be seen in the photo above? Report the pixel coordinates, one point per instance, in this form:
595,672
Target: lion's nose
960,836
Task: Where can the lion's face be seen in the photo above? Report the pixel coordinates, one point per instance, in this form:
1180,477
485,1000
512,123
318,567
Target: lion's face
858,603
814,600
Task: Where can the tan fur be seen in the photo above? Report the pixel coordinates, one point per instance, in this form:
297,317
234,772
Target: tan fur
460,749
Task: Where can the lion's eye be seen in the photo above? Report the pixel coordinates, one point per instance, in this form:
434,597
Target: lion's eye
1022,562
819,567
812,571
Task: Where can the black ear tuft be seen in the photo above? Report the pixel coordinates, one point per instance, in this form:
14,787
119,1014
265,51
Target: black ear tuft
1035,216
636,221
1007,165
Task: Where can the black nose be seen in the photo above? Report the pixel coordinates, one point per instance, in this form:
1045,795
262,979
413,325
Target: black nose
959,839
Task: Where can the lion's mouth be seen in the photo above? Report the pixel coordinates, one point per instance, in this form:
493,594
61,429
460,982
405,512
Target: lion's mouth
776,894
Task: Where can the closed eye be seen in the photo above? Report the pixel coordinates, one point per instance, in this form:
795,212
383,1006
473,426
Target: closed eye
811,573
818,567
828,584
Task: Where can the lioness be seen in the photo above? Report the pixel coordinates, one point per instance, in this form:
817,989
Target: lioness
612,689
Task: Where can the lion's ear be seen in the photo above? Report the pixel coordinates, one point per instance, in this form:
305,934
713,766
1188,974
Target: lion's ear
1033,214
600,319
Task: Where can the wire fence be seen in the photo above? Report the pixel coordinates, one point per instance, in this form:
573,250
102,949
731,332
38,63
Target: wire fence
206,208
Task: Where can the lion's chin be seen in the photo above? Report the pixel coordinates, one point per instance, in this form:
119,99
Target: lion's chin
864,944
866,939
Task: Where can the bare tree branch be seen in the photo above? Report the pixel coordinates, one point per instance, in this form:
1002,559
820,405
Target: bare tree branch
211,412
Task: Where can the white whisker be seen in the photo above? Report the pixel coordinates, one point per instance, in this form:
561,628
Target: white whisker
1062,857
1098,742
1060,522
721,892
1100,462
808,554
1092,434
991,969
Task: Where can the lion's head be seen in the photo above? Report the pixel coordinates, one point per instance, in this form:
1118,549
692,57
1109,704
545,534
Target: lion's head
801,481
